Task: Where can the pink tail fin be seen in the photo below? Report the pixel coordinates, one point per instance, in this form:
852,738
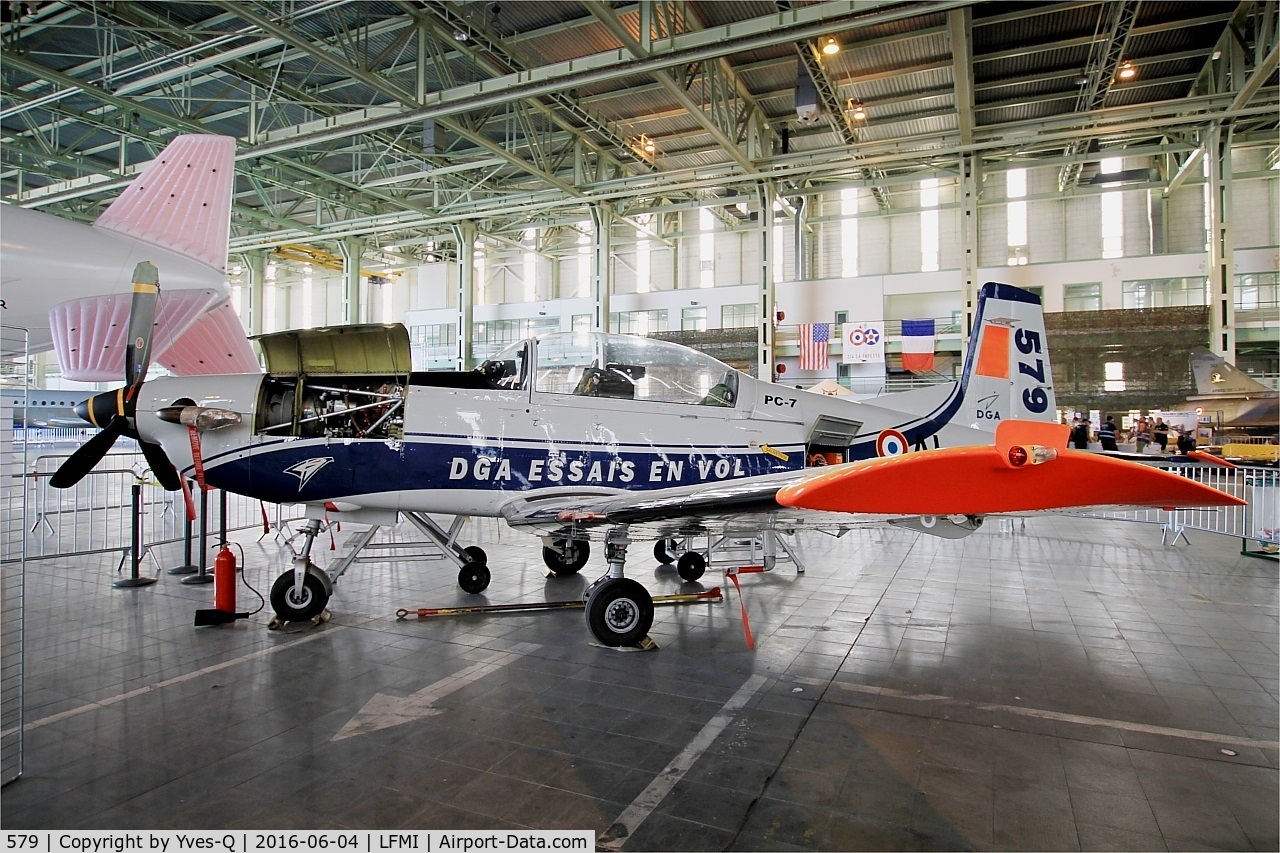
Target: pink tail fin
182,200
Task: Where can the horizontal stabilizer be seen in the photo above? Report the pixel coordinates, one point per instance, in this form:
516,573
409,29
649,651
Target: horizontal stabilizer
980,481
90,334
182,200
216,343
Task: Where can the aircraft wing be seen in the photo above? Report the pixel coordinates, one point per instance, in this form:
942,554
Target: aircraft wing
1018,476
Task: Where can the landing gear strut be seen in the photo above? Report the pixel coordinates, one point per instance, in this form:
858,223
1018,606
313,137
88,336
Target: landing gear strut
619,610
302,592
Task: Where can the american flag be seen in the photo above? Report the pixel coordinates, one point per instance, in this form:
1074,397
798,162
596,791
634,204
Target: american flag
814,340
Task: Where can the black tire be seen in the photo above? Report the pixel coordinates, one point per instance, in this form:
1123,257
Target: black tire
567,557
619,612
476,554
298,608
691,565
662,551
474,578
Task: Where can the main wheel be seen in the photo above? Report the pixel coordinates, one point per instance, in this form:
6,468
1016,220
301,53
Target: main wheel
298,606
567,557
619,612
662,551
691,565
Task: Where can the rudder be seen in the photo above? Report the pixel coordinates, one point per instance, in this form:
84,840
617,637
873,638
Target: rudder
1006,370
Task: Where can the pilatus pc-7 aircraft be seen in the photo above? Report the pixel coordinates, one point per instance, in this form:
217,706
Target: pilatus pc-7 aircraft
582,437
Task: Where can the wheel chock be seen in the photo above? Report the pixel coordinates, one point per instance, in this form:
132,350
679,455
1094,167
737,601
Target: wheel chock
277,624
710,596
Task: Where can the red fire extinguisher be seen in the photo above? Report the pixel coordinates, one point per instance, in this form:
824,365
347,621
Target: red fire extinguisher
224,580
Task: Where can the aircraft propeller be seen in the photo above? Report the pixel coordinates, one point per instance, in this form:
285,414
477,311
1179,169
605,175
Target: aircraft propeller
115,411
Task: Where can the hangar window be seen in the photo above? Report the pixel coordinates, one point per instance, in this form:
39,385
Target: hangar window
929,245
1166,292
1112,213
706,248
1082,297
643,267
1113,376
530,264
693,319
741,316
638,322
1016,212
1257,290
849,232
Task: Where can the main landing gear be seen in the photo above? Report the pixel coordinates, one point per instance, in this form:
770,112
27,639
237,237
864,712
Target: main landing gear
619,610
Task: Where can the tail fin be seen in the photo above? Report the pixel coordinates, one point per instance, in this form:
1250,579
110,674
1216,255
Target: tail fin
1006,372
182,200
1215,375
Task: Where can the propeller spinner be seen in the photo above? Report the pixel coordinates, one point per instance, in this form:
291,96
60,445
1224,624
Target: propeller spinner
114,411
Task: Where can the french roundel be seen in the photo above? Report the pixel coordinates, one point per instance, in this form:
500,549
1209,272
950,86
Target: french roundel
890,442
857,337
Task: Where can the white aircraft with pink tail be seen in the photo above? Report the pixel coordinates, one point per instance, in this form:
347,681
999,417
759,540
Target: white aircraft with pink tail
70,285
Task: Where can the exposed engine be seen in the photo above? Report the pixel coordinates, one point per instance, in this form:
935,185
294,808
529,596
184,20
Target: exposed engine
337,407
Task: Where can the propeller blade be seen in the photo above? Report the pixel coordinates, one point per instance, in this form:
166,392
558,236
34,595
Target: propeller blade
88,454
142,320
165,473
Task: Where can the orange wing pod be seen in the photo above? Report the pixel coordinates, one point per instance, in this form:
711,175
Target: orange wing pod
979,481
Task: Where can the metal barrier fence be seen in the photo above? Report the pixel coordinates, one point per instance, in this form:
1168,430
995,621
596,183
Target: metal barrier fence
1257,521
93,516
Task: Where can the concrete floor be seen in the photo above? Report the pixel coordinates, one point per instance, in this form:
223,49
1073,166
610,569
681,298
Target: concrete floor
1068,686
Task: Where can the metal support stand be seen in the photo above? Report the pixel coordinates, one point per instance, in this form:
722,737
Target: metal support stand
202,575
187,566
136,551
445,541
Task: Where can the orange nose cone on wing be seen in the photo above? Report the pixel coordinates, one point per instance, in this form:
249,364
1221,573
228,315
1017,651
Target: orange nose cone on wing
979,481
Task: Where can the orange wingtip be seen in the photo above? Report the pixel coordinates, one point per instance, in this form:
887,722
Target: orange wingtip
976,481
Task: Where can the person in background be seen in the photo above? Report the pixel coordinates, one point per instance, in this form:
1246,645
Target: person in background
1107,434
1080,433
1142,434
1160,432
1186,441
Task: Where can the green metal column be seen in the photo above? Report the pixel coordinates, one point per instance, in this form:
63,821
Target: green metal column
970,181
352,254
466,234
601,269
256,261
764,324
1222,297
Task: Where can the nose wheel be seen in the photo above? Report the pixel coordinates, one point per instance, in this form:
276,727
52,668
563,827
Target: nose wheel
298,605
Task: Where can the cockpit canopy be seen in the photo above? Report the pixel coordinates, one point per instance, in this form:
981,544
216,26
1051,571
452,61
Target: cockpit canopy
594,364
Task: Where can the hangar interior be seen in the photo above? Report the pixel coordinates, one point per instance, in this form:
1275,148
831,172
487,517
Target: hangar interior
715,173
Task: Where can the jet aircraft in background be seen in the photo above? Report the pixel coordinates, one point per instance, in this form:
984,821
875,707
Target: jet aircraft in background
581,437
1229,394
68,284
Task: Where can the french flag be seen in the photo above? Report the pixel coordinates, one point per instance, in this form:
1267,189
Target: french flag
917,344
